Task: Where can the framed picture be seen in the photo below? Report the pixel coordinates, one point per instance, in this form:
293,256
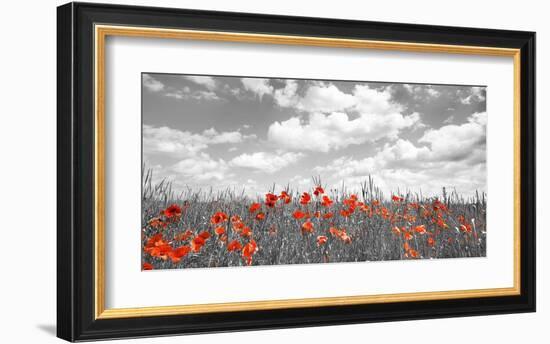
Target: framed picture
229,171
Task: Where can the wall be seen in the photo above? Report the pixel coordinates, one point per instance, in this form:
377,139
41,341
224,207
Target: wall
27,143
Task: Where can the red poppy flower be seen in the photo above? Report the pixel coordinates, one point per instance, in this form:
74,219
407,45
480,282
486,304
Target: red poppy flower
438,206
147,266
318,191
218,218
317,214
321,240
285,197
205,235
345,238
396,198
345,212
327,202
385,213
197,243
248,251
430,241
179,253
254,207
270,200
420,229
441,223
307,227
260,216
156,222
238,226
396,230
413,253
335,231
184,236
246,232
466,228
235,245
305,198
219,230
340,234
157,247
235,218
364,208
328,215
351,201
407,235
172,211
298,214
188,234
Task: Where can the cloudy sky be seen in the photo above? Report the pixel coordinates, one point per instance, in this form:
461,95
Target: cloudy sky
212,131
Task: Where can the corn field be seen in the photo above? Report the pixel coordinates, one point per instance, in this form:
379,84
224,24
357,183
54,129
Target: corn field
203,228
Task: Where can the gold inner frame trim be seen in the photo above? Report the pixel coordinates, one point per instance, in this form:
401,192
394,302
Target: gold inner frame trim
102,31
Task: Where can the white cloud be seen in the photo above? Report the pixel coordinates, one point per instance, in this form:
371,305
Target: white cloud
402,154
449,119
453,142
187,94
200,168
301,183
466,181
454,157
152,84
172,141
372,101
433,92
235,92
214,137
257,86
265,162
198,171
476,94
325,98
206,81
286,96
184,143
402,151
428,177
421,92
324,133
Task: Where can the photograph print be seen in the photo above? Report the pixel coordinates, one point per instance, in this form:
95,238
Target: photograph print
246,171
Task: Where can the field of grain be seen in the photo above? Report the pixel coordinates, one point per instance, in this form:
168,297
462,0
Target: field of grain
199,229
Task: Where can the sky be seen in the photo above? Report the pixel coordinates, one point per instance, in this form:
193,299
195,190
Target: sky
251,133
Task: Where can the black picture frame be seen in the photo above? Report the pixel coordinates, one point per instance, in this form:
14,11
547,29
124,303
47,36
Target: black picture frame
76,319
